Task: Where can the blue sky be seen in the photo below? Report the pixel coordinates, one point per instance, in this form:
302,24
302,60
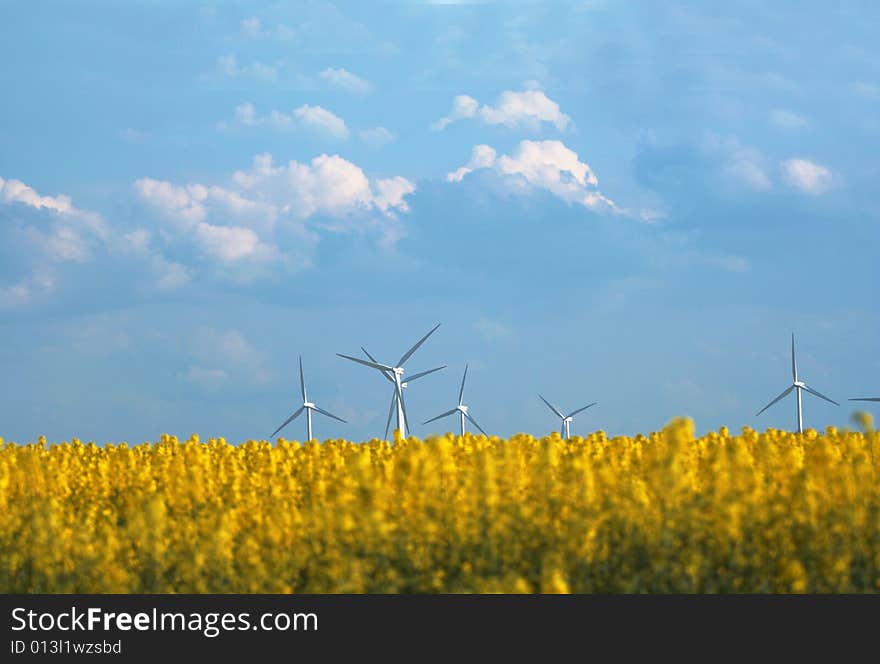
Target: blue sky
629,203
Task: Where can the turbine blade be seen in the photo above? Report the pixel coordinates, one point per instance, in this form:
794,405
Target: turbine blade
408,354
552,407
423,373
575,412
474,422
288,420
866,399
390,411
461,391
324,412
302,380
820,395
374,365
793,363
446,414
784,394
373,359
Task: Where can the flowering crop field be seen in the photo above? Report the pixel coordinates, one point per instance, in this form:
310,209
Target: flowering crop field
667,512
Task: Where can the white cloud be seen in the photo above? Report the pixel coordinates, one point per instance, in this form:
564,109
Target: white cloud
527,108
246,221
311,117
376,137
523,108
345,80
63,233
22,293
807,176
16,191
788,119
67,234
252,27
72,228
392,193
321,118
227,65
463,106
650,215
547,165
233,243
183,204
188,208
246,114
228,243
482,156
167,275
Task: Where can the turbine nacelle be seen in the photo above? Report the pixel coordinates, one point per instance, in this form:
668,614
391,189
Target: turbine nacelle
798,386
461,409
308,407
394,373
566,419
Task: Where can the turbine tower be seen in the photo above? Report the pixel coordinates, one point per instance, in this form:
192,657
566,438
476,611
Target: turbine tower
565,430
307,406
395,373
461,409
799,386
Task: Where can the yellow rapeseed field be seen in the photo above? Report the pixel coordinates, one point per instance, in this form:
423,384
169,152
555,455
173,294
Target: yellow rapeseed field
668,512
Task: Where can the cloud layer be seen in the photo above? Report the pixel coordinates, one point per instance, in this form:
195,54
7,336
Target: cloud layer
344,80
249,220
806,176
48,232
547,165
527,108
305,117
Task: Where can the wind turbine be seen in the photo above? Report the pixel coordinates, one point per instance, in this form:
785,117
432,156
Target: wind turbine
866,399
395,373
799,386
403,387
566,419
461,409
307,406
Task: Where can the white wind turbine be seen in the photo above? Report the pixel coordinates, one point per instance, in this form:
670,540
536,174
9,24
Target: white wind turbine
395,373
800,386
403,387
461,409
307,406
565,431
